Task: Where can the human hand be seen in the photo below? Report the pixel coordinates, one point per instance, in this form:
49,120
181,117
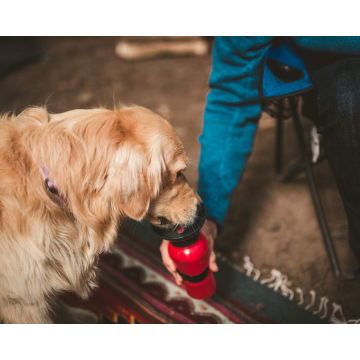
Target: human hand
209,230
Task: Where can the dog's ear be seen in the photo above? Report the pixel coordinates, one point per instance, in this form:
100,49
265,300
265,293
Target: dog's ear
137,205
135,181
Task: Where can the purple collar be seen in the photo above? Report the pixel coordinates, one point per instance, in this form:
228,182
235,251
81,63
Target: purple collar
50,184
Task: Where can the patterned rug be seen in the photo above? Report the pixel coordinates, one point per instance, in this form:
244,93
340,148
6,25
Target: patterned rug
135,288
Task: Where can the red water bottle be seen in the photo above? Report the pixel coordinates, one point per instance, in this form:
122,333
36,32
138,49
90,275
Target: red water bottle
189,250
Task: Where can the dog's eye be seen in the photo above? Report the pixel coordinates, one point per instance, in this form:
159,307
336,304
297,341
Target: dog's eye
179,174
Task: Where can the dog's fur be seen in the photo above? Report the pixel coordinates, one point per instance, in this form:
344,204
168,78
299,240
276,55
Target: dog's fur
107,165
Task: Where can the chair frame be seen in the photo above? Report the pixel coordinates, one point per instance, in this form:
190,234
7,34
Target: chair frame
304,165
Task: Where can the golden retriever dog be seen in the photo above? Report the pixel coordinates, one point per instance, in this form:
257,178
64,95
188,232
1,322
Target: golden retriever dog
66,183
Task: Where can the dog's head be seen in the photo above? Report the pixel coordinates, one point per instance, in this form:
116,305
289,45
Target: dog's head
123,163
148,172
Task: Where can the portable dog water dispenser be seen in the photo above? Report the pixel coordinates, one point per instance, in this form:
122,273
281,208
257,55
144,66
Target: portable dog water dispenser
189,250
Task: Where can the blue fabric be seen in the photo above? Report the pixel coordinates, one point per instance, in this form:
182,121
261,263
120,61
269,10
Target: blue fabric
233,110
271,85
346,45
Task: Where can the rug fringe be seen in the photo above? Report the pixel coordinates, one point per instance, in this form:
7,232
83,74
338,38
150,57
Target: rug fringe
313,299
280,283
301,296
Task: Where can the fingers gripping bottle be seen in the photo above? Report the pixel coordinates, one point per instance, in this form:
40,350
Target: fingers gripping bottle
189,250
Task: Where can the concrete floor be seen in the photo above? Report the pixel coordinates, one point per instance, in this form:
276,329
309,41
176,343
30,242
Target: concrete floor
272,222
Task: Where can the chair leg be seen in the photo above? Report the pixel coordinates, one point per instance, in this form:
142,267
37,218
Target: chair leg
313,189
296,168
279,141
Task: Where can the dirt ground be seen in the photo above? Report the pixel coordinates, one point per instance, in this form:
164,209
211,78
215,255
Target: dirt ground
272,222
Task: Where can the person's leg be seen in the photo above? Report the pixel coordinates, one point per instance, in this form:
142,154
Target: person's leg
338,103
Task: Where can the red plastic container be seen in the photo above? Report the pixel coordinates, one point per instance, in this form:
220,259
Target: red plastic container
202,289
189,250
191,257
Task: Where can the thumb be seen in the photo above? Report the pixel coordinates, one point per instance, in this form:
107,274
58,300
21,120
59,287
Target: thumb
168,262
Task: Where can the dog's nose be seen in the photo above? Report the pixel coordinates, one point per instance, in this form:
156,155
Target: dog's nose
200,207
163,220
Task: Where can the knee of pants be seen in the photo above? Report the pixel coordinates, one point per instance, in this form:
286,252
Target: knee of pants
338,92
